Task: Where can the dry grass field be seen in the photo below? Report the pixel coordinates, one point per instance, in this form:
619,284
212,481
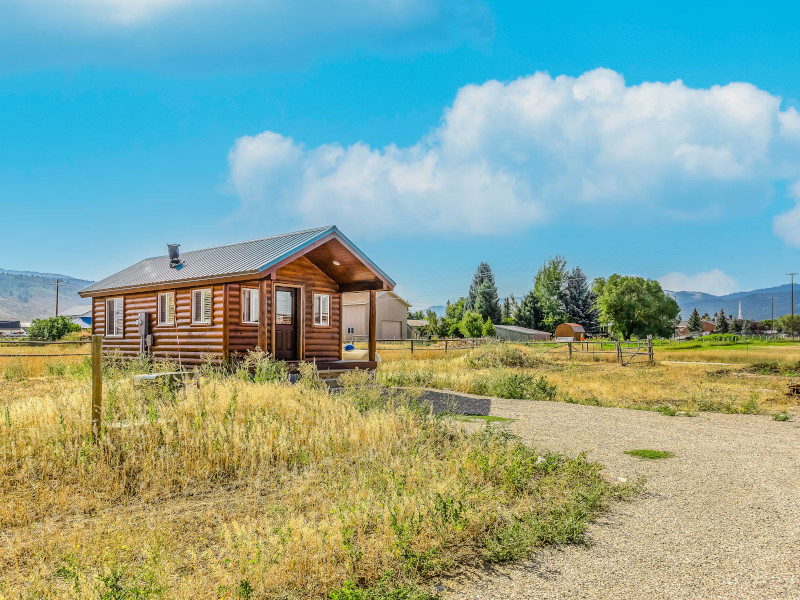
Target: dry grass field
753,380
258,489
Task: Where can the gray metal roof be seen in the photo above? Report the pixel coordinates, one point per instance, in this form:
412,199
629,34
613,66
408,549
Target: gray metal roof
233,259
77,311
519,329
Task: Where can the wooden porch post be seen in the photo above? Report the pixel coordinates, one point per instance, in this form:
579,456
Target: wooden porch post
263,315
372,320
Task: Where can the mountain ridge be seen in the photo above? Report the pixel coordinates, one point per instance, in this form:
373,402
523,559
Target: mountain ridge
28,295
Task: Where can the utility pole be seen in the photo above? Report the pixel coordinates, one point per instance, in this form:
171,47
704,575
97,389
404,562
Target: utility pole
792,321
56,283
772,320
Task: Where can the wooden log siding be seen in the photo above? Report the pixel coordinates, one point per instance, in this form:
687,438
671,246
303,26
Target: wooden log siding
319,343
243,336
196,342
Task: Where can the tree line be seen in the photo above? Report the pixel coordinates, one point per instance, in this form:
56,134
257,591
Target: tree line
632,306
728,324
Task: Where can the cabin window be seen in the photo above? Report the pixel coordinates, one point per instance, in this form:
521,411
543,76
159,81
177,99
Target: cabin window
249,305
166,308
322,309
115,317
351,330
201,306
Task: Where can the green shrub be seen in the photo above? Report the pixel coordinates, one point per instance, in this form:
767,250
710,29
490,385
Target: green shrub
501,355
262,367
51,328
509,384
382,591
781,416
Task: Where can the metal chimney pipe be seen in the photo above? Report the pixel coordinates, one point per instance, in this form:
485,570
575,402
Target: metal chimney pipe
174,254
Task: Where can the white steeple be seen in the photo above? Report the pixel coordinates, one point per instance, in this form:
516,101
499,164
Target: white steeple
740,310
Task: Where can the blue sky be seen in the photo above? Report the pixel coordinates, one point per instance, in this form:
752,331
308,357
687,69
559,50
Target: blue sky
638,139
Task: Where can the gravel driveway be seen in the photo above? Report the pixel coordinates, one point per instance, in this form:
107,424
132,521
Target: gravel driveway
719,520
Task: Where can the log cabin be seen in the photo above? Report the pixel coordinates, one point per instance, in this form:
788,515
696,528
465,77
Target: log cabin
282,294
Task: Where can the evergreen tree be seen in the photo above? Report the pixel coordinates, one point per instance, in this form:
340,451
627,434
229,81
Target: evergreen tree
505,312
694,321
548,287
527,314
738,326
722,322
482,275
486,302
509,309
579,300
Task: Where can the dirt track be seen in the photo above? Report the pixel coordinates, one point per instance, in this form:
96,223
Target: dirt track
719,520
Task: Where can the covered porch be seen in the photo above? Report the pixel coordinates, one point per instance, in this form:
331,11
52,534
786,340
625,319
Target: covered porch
300,305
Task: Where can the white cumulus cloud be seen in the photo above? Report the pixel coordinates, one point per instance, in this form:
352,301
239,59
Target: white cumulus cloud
507,156
711,282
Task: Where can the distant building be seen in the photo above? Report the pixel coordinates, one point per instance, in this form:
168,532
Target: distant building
706,327
391,315
80,315
414,327
571,331
10,328
514,333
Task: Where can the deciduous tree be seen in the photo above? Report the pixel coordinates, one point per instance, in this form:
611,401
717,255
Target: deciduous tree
635,306
471,325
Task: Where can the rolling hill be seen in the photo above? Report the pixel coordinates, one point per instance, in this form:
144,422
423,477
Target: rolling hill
756,304
26,295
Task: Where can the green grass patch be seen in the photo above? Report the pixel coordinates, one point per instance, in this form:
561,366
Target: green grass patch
486,418
647,454
781,416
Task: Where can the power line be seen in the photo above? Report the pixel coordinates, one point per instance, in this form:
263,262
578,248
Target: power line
56,283
792,321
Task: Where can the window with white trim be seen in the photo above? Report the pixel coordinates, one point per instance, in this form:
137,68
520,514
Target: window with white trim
115,317
201,306
249,305
322,309
166,308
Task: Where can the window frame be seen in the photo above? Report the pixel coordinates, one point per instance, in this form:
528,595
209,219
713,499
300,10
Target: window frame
116,334
210,306
314,310
250,291
158,309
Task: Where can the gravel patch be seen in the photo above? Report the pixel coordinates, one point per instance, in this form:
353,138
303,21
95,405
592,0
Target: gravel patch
721,519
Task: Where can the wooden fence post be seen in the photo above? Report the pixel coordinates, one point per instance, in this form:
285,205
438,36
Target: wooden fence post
570,348
619,351
97,383
650,348
445,346
412,346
